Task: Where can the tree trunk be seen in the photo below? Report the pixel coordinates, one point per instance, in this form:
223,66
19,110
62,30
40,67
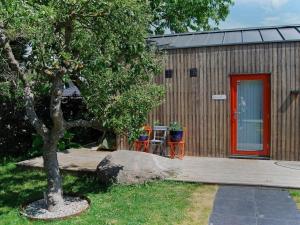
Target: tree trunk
54,195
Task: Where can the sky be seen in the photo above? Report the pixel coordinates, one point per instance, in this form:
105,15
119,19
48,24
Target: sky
254,13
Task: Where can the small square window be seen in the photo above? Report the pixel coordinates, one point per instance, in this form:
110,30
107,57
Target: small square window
168,73
193,72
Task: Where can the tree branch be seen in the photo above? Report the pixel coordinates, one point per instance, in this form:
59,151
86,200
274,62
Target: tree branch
28,95
84,123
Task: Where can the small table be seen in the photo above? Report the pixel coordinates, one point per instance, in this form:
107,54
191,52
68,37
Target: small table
142,144
179,144
138,145
173,145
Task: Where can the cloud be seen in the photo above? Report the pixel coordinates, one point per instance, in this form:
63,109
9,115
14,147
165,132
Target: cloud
230,23
282,18
274,4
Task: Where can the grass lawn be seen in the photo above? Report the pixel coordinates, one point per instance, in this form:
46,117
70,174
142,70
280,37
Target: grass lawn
296,196
154,203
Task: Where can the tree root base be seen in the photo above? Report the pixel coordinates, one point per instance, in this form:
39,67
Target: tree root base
72,206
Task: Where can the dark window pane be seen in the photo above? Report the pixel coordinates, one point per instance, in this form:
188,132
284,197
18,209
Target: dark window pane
251,36
232,37
168,73
199,40
271,35
193,72
182,41
290,33
215,38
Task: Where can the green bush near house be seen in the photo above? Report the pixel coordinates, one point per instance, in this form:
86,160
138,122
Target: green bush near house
64,143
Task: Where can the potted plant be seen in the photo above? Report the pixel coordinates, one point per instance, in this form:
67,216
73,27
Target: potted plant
156,123
143,135
176,132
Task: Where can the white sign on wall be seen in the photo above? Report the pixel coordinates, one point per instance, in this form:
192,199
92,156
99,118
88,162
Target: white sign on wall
219,97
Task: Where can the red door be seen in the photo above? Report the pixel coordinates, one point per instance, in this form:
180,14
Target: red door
250,114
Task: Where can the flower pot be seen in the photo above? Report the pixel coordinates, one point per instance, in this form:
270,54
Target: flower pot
176,136
143,137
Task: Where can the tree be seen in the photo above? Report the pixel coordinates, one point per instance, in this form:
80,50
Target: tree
187,15
100,46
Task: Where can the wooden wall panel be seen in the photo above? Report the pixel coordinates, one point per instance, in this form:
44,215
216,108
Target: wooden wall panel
189,99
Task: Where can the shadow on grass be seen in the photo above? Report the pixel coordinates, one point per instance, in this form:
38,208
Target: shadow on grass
18,185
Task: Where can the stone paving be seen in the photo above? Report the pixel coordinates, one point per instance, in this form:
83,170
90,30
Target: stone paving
73,160
268,173
244,205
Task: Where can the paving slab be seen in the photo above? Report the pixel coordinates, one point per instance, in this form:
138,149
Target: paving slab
269,173
277,222
220,219
234,207
261,206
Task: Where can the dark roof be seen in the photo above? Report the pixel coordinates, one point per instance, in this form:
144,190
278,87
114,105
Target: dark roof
228,37
71,90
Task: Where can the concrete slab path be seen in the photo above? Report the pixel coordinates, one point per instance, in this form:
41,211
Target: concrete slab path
242,205
74,160
267,173
196,169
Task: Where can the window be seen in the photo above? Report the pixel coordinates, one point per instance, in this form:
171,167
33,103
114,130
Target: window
193,72
168,73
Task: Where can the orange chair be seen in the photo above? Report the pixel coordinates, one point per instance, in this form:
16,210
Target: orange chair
180,144
138,145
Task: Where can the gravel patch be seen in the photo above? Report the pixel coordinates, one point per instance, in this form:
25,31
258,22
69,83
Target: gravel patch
72,206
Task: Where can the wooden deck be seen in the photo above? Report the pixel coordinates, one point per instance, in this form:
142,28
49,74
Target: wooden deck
268,173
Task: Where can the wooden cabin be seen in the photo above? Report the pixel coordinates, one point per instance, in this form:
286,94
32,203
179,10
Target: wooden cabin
237,91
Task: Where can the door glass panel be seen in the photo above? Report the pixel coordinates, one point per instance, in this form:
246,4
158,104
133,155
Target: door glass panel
250,115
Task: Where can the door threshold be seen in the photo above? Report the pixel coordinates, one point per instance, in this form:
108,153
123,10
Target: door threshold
249,157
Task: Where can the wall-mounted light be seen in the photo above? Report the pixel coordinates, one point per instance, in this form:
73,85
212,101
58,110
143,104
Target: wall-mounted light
193,72
168,73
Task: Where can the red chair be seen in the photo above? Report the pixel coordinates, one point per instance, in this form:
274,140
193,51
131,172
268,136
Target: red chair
138,145
180,144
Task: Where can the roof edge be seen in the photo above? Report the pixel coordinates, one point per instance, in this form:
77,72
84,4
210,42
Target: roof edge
225,30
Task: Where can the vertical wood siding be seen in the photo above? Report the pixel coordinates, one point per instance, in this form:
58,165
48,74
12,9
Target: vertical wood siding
189,99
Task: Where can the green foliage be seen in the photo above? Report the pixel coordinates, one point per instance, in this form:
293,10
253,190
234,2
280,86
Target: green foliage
36,147
175,126
143,132
99,45
156,123
296,196
138,204
135,134
131,109
11,93
64,143
5,90
186,15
